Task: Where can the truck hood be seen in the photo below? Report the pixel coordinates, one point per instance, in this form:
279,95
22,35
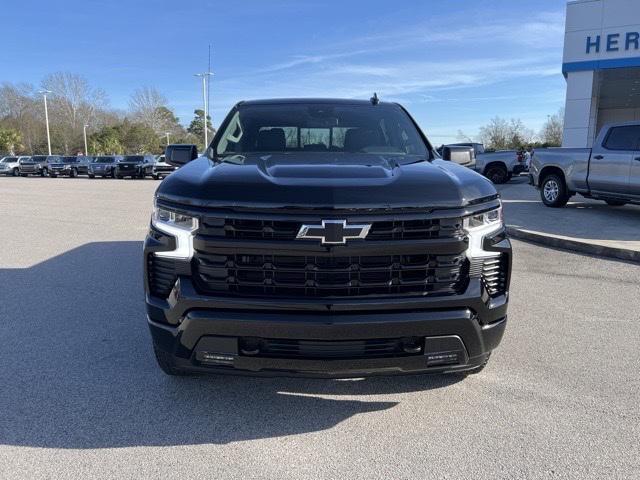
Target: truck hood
324,181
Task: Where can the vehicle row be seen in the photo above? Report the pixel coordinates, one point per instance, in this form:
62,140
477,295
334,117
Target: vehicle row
113,166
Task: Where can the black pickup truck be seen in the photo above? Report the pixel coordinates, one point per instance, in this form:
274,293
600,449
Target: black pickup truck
324,238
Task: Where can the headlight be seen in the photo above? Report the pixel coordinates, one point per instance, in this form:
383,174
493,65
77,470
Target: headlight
479,226
179,226
488,220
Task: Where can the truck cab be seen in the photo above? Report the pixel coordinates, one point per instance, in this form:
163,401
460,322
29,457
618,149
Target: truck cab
609,171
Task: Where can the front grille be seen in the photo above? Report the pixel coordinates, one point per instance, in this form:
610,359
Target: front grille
161,275
251,229
329,276
339,349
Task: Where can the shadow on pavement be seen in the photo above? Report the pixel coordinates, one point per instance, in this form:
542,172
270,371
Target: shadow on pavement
79,372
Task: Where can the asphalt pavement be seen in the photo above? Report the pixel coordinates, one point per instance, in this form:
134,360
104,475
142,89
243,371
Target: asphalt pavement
81,396
585,225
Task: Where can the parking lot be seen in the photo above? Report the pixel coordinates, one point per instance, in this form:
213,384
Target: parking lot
82,396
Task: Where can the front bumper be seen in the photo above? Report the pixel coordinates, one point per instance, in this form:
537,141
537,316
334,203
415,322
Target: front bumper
209,333
180,325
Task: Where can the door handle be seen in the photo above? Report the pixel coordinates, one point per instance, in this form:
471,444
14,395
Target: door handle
598,157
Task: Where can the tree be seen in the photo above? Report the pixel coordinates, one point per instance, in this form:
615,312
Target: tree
551,132
148,106
73,104
196,127
21,110
500,134
9,140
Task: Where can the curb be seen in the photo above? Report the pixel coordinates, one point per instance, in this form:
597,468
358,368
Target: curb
575,245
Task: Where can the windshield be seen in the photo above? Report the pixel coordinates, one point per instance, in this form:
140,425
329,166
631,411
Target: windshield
105,160
53,159
37,158
70,159
343,129
133,159
9,159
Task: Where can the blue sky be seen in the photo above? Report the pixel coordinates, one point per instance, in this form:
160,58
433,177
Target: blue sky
454,64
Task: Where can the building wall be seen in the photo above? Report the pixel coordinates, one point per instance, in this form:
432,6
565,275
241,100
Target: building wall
599,34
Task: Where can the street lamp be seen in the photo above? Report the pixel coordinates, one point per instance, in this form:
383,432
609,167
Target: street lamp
84,131
204,100
46,116
167,134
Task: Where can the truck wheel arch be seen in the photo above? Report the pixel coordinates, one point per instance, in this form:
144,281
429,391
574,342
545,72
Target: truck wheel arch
496,165
548,170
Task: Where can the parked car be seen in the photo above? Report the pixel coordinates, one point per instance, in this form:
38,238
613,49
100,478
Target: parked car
64,165
11,165
609,171
135,166
83,164
324,238
161,168
35,165
498,166
103,166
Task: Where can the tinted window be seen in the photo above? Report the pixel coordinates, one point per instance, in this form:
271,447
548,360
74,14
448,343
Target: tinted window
133,158
623,138
10,159
105,160
383,129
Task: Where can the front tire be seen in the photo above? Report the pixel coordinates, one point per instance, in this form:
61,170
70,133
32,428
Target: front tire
73,173
15,172
615,203
43,172
497,174
553,191
167,364
92,176
53,175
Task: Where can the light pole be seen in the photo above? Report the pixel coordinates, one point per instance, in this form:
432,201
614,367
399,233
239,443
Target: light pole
204,101
84,131
46,116
167,134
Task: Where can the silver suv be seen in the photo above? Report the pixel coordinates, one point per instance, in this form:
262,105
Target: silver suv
11,165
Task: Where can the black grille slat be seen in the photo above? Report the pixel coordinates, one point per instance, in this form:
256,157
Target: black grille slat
339,349
493,272
161,274
320,276
256,229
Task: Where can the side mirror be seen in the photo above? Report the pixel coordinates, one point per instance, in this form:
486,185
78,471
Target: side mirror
180,154
458,154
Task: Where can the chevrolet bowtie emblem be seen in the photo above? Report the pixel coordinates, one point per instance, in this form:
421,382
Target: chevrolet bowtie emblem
333,232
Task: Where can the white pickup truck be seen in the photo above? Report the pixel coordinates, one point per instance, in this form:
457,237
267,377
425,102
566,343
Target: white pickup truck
609,171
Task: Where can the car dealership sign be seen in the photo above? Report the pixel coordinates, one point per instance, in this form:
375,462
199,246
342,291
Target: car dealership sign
612,42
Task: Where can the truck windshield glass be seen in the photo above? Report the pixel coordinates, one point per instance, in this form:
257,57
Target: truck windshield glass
70,159
105,160
339,129
9,159
133,159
